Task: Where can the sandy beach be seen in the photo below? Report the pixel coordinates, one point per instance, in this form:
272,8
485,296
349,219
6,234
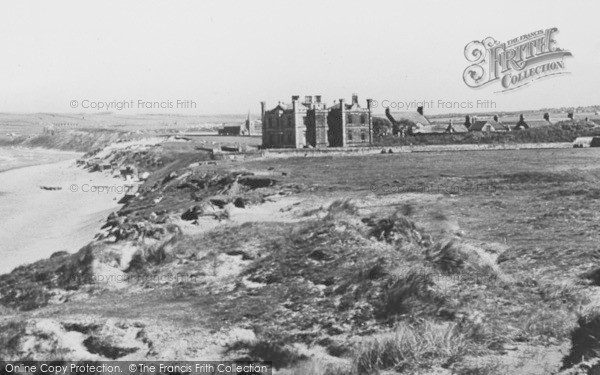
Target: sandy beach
35,222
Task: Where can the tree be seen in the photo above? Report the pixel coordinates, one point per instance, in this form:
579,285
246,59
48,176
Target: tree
403,126
381,126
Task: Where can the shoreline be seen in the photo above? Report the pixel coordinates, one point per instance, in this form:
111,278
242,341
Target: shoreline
64,220
23,157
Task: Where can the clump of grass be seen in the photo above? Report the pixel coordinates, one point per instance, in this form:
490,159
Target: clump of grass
412,346
407,209
547,323
584,367
439,216
409,293
341,206
394,229
319,367
585,341
26,297
270,347
156,254
452,256
312,212
10,333
373,270
447,256
566,292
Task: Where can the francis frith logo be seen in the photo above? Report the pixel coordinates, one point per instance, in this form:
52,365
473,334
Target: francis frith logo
515,63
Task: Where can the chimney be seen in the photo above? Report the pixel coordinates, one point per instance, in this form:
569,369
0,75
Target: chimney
318,98
354,99
420,110
343,115
308,99
570,115
295,97
547,116
496,118
263,124
369,106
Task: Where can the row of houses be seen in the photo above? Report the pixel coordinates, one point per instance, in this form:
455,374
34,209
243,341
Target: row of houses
422,125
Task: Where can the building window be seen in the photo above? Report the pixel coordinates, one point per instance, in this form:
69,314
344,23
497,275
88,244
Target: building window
363,136
349,135
349,119
363,118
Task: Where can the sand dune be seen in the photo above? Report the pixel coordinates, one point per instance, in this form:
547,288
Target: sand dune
36,223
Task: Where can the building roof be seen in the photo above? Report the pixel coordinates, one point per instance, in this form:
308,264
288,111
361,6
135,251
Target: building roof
347,106
513,120
439,129
415,117
537,123
428,129
285,106
457,128
478,125
555,120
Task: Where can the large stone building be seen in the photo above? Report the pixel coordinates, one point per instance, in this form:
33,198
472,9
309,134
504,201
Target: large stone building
311,124
350,124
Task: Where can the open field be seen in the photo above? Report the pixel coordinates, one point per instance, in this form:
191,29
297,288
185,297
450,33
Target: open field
84,140
34,123
445,262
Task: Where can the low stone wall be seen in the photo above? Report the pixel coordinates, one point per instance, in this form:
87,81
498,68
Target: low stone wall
331,151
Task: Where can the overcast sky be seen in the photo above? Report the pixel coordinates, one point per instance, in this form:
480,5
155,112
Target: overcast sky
228,56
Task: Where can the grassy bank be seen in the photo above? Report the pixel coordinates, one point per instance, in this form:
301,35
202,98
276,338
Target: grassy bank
420,263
